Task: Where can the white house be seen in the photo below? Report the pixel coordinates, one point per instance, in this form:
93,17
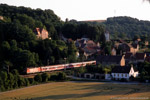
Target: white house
124,72
107,76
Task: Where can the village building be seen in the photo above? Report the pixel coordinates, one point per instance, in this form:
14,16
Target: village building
111,60
1,18
140,57
41,33
146,43
147,54
107,36
87,47
136,47
129,58
113,51
135,58
125,72
94,76
147,59
137,40
127,47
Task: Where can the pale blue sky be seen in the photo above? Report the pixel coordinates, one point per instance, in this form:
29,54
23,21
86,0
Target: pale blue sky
89,9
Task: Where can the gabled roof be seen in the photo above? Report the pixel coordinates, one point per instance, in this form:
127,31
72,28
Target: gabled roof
120,69
140,56
103,58
90,43
89,50
39,30
128,55
147,59
124,44
122,41
147,53
135,45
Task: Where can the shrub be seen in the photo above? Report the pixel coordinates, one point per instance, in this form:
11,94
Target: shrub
53,78
61,76
21,82
45,77
38,78
2,88
31,80
27,83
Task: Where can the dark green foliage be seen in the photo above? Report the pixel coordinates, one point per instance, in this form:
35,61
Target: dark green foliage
80,70
78,30
53,77
126,27
45,77
144,70
38,78
12,80
92,69
31,80
72,52
3,76
61,76
2,88
21,82
27,83
107,48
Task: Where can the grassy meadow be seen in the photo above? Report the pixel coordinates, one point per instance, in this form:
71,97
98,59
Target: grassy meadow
79,91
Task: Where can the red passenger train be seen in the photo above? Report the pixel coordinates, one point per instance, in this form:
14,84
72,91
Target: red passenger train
58,67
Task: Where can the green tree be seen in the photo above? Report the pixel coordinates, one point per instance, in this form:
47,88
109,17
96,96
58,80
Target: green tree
21,82
61,76
10,80
45,77
38,78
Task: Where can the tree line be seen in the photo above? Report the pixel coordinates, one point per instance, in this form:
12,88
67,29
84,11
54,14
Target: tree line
13,80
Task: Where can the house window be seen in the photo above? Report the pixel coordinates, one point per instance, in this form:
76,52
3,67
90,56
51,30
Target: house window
118,75
122,75
125,75
114,75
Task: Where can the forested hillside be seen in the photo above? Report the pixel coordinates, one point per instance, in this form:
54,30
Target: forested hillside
127,27
19,45
123,27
